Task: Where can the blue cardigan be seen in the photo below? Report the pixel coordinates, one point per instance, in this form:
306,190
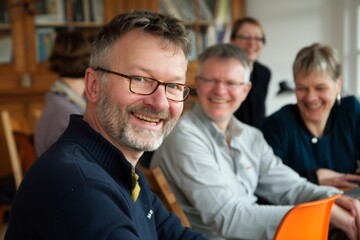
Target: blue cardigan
81,189
337,149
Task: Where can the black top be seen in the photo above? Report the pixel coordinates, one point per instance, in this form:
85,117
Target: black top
252,111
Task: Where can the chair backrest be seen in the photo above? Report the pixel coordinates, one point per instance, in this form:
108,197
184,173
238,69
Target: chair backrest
18,150
26,149
308,221
8,144
161,188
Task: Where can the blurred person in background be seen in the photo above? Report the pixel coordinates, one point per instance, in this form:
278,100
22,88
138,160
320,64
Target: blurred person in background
69,59
248,34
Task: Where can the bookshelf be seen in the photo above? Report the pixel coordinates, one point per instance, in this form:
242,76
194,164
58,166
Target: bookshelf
208,21
28,27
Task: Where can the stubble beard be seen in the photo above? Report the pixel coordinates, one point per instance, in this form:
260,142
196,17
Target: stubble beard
116,122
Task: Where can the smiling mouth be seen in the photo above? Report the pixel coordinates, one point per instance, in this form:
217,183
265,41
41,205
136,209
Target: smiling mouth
313,106
216,100
146,118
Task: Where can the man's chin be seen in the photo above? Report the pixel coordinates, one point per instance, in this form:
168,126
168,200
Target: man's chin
146,143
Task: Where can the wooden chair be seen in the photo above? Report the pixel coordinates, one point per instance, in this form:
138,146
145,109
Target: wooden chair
161,188
26,149
308,221
8,145
18,150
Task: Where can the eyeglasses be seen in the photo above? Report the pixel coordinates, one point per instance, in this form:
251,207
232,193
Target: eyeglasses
146,86
228,84
249,38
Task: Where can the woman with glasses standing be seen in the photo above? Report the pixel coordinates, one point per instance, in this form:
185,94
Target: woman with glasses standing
248,34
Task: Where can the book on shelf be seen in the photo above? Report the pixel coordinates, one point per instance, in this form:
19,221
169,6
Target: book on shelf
45,38
49,11
6,49
4,13
88,11
223,33
97,11
223,11
211,35
54,11
205,10
193,54
181,9
168,6
186,9
78,10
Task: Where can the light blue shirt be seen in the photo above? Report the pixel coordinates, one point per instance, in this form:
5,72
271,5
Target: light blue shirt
217,183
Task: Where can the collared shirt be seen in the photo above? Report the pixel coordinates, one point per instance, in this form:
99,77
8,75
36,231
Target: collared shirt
217,183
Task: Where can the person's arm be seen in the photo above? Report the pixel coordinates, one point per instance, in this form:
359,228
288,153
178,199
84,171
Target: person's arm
279,183
336,179
345,215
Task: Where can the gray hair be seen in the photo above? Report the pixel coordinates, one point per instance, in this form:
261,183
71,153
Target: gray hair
170,29
226,51
320,58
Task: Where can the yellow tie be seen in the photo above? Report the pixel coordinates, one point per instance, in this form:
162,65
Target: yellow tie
135,185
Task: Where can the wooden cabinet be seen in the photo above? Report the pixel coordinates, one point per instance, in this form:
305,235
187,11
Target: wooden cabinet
24,74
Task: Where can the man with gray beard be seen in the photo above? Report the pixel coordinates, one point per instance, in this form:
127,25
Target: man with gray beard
87,186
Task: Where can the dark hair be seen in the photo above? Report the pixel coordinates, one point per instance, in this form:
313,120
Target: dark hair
240,22
170,29
70,54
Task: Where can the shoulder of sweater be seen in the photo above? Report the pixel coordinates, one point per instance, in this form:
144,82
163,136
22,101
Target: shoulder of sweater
284,112
350,99
349,108
281,120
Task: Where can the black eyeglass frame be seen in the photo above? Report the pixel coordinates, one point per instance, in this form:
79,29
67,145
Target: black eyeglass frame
228,84
186,93
248,38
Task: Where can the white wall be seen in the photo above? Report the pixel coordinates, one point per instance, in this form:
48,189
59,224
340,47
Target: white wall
292,24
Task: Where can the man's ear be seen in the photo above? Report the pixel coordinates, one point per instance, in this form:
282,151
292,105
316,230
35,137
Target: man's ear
246,90
92,85
339,84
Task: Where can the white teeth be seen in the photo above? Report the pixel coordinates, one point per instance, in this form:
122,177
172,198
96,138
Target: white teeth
313,106
218,100
146,118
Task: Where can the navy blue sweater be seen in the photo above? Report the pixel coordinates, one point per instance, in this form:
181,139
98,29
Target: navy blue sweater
81,189
337,149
